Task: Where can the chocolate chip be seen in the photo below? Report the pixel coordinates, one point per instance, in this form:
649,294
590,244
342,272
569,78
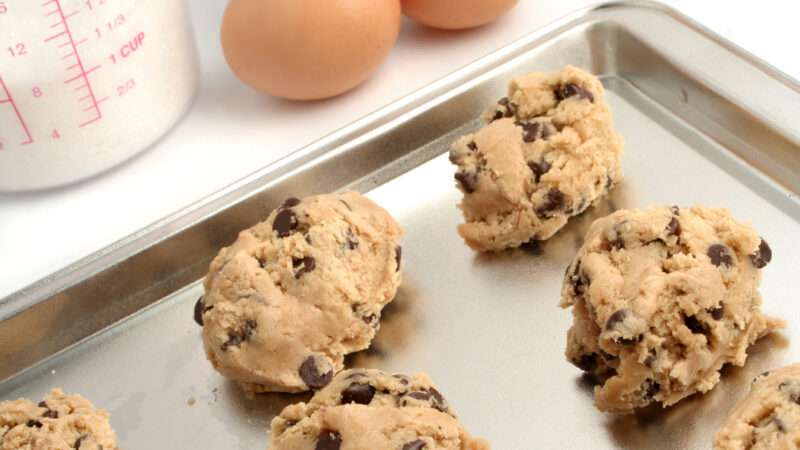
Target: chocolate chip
352,240
578,279
794,395
316,371
370,319
718,312
615,319
199,309
570,89
243,334
505,108
694,325
650,389
285,222
43,404
467,180
719,255
675,209
290,202
303,265
673,227
358,393
472,145
403,379
762,256
79,441
329,440
438,400
33,424
553,200
420,395
617,244
534,131
50,414
539,169
398,256
417,444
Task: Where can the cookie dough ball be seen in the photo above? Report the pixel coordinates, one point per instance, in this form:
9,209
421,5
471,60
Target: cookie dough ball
59,422
296,293
370,409
549,151
662,299
768,418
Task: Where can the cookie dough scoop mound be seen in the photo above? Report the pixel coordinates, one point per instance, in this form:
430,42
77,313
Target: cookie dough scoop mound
768,418
661,299
59,422
549,151
296,293
369,409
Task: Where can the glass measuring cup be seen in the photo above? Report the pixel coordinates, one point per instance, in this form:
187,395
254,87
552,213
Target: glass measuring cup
86,84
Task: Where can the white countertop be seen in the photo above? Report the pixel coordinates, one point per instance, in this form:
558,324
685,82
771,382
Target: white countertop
231,130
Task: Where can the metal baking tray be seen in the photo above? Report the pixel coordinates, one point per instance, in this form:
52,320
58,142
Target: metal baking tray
704,122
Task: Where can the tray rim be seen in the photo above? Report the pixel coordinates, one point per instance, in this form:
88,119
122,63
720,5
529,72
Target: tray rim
151,235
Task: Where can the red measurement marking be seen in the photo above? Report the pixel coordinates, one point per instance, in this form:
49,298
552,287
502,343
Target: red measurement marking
80,75
10,100
55,36
83,73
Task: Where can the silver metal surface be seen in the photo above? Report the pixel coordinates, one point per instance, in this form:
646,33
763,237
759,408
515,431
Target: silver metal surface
703,123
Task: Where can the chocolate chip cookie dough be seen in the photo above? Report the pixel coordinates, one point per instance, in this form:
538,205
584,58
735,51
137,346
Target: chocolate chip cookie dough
370,409
768,418
59,421
296,293
661,299
549,151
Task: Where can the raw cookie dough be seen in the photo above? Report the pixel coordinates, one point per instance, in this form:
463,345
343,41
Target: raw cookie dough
768,418
549,151
59,422
370,409
662,298
294,294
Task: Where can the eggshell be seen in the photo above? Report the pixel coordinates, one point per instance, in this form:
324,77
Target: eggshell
456,14
308,49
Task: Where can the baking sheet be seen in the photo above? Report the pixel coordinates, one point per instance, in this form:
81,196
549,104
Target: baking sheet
487,327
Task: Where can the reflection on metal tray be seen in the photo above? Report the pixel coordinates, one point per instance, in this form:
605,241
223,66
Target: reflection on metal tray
703,122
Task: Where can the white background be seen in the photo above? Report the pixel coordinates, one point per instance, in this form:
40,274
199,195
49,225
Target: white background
232,131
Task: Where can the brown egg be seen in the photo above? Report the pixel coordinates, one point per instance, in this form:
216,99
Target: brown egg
308,49
456,14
